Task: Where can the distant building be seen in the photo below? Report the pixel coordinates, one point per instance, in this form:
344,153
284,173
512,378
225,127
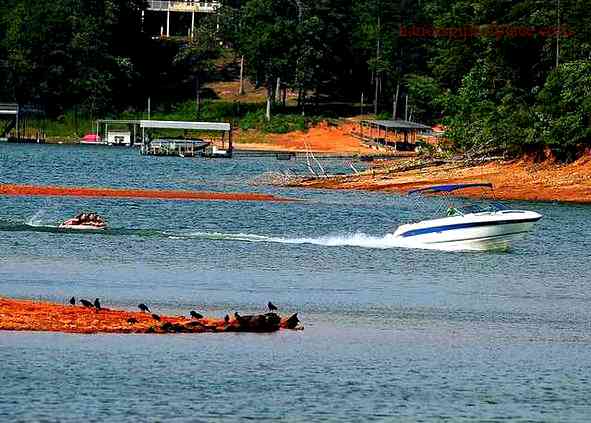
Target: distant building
167,18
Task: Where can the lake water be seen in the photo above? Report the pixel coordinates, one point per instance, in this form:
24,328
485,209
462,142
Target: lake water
390,333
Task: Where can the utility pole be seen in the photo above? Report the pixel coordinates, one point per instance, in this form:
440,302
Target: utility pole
149,106
406,109
395,108
241,90
377,80
362,101
557,32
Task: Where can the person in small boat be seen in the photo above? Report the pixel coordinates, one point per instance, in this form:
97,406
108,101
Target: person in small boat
87,219
80,219
96,219
452,211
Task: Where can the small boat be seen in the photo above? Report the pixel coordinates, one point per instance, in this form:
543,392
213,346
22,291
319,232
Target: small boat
285,156
485,226
92,139
75,224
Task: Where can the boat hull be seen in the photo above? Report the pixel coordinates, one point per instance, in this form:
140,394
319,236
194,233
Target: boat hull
479,232
82,227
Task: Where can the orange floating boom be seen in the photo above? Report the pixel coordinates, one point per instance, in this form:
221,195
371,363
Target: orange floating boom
52,191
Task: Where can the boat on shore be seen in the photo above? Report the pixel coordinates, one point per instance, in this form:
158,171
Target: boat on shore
480,227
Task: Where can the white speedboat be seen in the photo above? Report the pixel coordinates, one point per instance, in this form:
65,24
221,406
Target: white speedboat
487,226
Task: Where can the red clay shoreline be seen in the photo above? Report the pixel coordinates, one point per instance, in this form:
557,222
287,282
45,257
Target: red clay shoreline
512,180
53,191
28,315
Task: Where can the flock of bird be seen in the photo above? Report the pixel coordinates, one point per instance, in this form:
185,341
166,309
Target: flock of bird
145,309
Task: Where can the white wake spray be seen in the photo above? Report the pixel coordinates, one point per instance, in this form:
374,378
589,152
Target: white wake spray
349,240
37,220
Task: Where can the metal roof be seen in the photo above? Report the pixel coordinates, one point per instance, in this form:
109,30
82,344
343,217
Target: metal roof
398,124
197,126
8,108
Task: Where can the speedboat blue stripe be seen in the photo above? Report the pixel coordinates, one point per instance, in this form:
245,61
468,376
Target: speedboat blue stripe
486,238
422,231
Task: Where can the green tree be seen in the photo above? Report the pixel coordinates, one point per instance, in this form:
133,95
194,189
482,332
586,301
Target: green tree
564,110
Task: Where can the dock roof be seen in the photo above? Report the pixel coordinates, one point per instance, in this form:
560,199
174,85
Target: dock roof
8,109
196,126
397,124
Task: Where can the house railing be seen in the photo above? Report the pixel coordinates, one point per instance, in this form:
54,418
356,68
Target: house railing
183,6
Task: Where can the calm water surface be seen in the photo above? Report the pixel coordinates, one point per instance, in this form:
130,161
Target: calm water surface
391,333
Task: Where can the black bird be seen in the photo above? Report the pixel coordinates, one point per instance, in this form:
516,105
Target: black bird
272,307
155,317
87,304
196,315
227,319
132,321
72,301
143,307
97,304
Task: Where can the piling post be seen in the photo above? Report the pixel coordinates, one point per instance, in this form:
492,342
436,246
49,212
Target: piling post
168,23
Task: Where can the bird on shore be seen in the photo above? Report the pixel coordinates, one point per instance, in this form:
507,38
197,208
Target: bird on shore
72,301
227,319
86,303
143,308
97,304
272,307
132,321
155,317
196,315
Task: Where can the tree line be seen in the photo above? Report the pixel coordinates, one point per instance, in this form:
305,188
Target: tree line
508,76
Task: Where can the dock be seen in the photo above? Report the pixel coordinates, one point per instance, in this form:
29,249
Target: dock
400,135
22,124
215,139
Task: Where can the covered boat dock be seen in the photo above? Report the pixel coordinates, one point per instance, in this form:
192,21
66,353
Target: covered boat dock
399,134
22,124
213,143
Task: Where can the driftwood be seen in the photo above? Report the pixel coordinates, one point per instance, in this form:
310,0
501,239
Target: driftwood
269,322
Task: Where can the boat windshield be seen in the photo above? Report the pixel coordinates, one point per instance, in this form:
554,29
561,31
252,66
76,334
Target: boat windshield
485,207
446,204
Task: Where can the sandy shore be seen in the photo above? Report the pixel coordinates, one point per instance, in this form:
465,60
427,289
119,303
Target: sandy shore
512,180
25,315
322,138
50,191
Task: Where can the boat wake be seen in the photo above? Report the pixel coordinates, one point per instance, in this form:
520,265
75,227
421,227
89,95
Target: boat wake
358,239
